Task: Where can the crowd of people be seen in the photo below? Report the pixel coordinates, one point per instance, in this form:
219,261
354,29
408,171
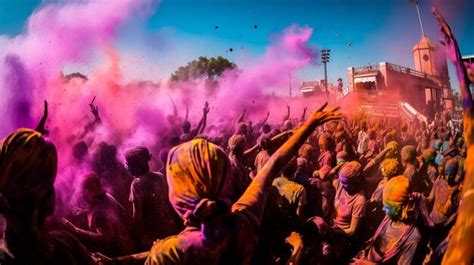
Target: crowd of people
324,189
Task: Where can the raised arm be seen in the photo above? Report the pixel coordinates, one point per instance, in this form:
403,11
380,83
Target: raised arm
254,198
175,109
260,124
376,160
288,112
460,248
203,122
41,127
304,114
93,124
242,116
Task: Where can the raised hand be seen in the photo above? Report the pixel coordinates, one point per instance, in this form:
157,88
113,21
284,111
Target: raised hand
206,108
322,116
41,125
94,109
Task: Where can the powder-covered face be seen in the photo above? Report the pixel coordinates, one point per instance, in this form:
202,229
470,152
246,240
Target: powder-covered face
393,212
350,186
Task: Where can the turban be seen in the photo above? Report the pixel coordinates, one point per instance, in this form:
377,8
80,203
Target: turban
198,175
390,167
138,154
350,172
237,141
28,165
393,145
396,192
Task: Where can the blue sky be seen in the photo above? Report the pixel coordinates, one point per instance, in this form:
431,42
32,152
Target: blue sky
357,32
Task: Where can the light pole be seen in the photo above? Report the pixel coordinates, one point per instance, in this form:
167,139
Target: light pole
325,60
416,2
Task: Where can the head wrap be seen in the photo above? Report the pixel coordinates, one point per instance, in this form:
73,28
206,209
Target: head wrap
389,167
408,153
350,172
237,141
393,145
198,174
28,165
397,193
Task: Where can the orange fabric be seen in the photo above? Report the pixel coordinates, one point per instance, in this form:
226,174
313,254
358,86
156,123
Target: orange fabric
350,171
396,191
389,167
196,170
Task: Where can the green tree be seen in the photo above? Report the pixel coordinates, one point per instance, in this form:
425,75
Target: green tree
211,69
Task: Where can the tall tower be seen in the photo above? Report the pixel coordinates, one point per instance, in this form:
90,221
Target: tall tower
431,60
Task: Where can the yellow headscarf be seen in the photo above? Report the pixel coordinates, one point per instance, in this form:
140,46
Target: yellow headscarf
198,174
